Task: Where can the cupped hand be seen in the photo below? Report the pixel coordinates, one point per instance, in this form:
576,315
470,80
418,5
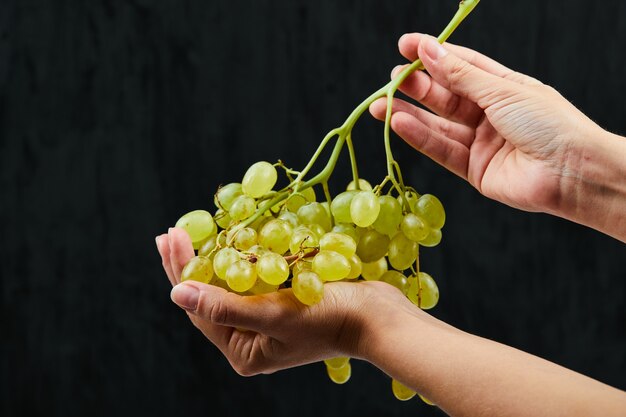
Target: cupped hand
510,136
266,333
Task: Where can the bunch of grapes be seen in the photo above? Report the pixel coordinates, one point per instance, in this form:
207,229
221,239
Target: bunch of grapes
261,239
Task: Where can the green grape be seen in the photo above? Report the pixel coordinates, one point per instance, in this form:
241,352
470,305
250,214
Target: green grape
295,201
259,179
241,276
223,259
262,287
401,392
316,228
363,185
338,242
242,208
301,266
331,266
275,235
340,375
430,209
426,400
411,198
402,252
337,363
242,239
314,213
302,238
258,223
340,207
389,217
346,229
397,279
433,238
199,268
226,195
372,246
414,227
429,294
308,287
272,268
222,218
199,225
356,267
364,208
221,240
208,246
257,250
374,270
289,217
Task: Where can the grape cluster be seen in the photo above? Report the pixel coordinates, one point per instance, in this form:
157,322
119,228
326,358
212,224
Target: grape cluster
250,247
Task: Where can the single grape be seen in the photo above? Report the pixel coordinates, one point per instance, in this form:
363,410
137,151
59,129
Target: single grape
242,208
363,185
430,209
308,287
340,375
199,268
402,252
411,198
374,270
389,217
316,228
340,207
297,200
208,246
260,221
364,208
356,267
272,268
301,266
429,294
426,400
314,213
397,279
338,242
259,179
241,276
257,250
331,266
289,217
226,195
275,236
223,259
242,239
401,392
337,363
372,246
302,238
222,218
433,238
199,225
262,287
414,227
346,229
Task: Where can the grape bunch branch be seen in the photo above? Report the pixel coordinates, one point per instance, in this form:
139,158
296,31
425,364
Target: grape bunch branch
261,240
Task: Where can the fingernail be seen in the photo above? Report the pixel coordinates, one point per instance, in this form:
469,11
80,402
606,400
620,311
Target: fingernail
185,296
395,70
157,239
433,49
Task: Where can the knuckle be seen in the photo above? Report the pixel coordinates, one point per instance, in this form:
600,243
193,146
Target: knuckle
217,312
458,70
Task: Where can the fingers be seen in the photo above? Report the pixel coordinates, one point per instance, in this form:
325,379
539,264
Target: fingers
219,307
163,245
455,131
409,45
181,250
463,78
422,88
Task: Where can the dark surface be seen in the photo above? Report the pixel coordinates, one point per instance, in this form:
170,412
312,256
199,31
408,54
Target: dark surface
118,117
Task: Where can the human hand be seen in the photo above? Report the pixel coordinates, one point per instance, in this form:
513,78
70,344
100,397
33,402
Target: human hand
513,138
280,332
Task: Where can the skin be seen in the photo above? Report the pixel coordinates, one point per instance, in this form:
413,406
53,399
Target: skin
514,139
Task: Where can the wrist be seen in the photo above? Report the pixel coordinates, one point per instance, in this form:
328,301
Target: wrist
595,186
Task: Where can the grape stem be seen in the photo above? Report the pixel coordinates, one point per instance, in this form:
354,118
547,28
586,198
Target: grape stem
343,134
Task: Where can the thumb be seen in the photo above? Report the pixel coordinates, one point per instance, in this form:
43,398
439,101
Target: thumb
463,78
218,306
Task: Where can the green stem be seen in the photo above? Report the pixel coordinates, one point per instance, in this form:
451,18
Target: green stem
355,169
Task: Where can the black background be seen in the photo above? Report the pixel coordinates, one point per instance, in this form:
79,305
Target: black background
116,117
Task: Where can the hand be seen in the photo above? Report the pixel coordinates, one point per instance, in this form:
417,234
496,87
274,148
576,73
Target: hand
513,138
266,333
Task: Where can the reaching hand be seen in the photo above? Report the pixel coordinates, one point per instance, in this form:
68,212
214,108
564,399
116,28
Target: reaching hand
509,135
266,333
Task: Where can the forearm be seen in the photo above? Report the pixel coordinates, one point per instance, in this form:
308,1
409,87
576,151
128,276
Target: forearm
470,376
595,194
